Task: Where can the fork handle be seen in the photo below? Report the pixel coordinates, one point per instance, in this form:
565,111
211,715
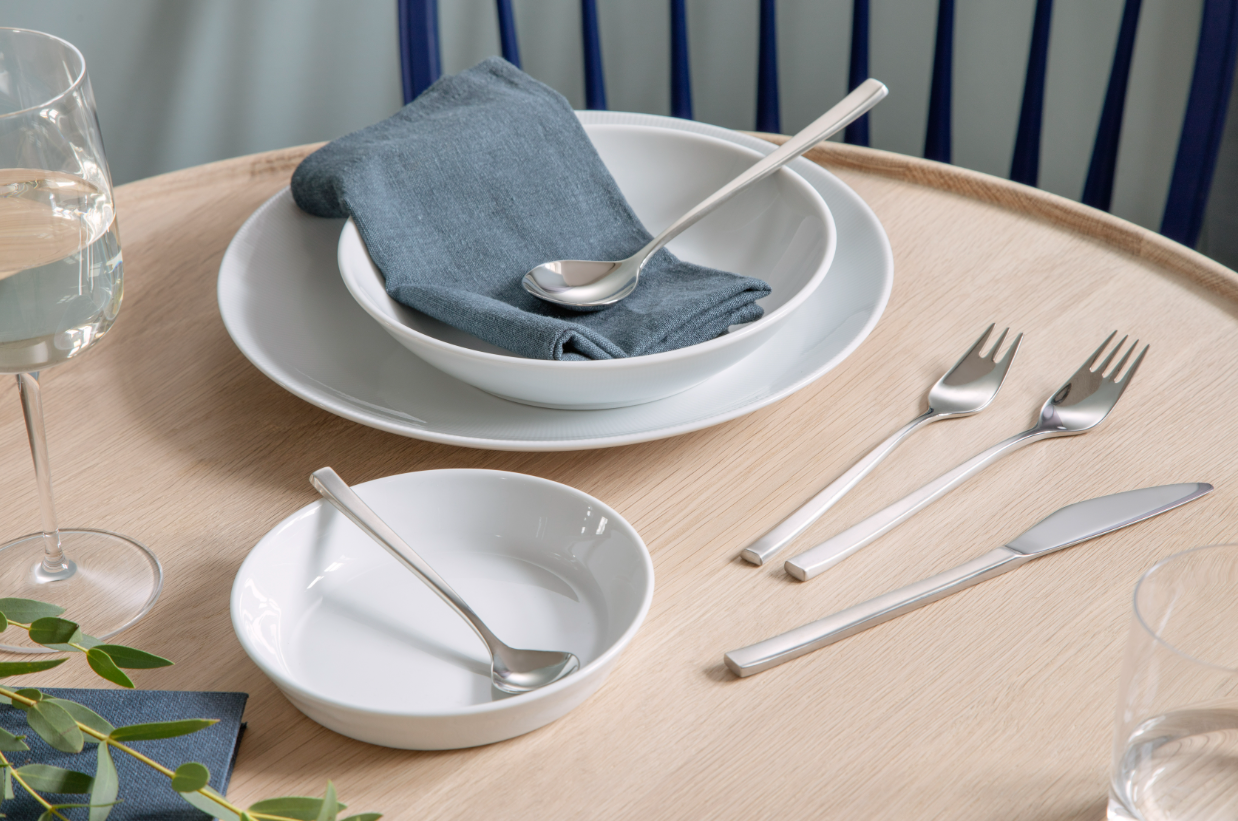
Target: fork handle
832,551
764,548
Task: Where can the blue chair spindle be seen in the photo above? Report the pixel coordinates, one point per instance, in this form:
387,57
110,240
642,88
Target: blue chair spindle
1204,122
1098,186
595,84
681,82
419,56
857,132
507,32
1025,165
768,119
937,134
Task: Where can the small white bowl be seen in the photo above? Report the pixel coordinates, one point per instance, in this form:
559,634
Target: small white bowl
363,647
780,231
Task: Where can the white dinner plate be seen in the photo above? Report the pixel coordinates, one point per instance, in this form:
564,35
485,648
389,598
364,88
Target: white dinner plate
286,308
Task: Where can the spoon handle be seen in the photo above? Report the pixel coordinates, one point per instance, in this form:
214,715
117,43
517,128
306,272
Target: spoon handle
336,491
850,108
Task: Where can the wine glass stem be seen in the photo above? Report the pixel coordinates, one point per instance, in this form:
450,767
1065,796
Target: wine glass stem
55,565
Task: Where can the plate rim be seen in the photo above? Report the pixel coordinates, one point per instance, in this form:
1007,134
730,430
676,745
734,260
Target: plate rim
348,410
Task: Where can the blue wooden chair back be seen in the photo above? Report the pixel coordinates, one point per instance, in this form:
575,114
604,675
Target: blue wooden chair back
1198,145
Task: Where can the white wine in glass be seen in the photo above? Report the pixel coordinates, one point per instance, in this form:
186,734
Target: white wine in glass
61,282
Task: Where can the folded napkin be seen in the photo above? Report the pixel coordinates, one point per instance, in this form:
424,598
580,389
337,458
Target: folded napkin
485,175
145,794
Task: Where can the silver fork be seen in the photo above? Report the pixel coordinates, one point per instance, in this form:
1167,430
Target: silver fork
966,388
1079,405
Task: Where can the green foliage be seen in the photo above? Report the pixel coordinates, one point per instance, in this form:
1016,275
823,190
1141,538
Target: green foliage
103,665
54,779
67,726
55,726
107,785
10,743
161,729
21,668
132,659
85,716
51,630
26,611
300,807
190,777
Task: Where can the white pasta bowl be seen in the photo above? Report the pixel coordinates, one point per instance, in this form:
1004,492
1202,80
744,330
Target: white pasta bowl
363,647
780,230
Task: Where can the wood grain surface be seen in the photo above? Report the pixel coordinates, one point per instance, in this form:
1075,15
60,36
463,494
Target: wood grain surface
995,703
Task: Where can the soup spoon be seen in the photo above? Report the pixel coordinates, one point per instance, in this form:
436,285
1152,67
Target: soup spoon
511,670
591,284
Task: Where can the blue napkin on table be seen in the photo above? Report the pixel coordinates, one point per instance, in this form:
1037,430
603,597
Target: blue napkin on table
145,794
485,175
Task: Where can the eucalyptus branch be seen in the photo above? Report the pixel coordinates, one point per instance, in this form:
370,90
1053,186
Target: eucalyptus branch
65,725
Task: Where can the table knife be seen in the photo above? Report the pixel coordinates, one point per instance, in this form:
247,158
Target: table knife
1067,527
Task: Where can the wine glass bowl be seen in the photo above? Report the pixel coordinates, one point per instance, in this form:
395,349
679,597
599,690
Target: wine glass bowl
61,285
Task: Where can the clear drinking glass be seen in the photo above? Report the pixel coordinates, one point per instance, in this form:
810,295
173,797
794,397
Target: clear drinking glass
1175,752
60,291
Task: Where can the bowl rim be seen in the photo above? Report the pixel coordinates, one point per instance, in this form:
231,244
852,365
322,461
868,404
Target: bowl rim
507,360
581,677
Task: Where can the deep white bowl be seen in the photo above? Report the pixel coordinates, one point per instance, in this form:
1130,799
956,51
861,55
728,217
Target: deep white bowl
780,231
363,647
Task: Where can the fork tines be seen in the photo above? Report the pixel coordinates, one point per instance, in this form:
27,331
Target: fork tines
1111,375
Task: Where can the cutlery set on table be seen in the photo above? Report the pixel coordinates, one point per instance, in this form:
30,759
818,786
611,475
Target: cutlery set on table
534,337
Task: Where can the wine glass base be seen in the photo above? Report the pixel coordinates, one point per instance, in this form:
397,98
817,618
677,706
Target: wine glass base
116,582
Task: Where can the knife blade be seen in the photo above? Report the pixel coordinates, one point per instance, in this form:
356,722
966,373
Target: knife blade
1064,528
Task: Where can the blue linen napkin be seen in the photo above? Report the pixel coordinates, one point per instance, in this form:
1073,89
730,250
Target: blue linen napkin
145,794
487,174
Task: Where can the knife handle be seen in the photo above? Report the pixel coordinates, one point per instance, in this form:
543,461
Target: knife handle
833,550
794,643
780,536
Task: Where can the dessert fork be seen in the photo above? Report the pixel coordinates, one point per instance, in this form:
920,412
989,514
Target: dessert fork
966,388
1079,405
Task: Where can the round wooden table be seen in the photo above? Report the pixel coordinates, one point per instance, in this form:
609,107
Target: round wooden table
995,703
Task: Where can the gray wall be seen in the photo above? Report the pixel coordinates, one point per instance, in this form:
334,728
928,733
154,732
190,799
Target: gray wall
181,82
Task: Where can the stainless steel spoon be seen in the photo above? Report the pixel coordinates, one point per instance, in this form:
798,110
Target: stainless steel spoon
590,284
511,670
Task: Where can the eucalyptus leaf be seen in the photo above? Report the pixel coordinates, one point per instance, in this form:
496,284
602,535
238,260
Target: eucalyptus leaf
21,668
202,802
26,611
4,623
300,807
10,743
330,806
82,639
48,815
106,786
103,665
30,693
84,715
6,784
161,729
364,816
190,777
51,630
55,726
46,778
133,659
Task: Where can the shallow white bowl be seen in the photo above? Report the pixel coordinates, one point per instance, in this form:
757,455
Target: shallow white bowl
364,648
780,231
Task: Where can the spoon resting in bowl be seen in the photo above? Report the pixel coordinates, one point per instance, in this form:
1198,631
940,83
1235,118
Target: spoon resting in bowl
511,670
586,285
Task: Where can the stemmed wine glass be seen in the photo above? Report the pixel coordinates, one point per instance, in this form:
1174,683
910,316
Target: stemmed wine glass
60,291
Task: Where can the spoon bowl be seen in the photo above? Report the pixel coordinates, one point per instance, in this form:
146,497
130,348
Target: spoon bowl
587,285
